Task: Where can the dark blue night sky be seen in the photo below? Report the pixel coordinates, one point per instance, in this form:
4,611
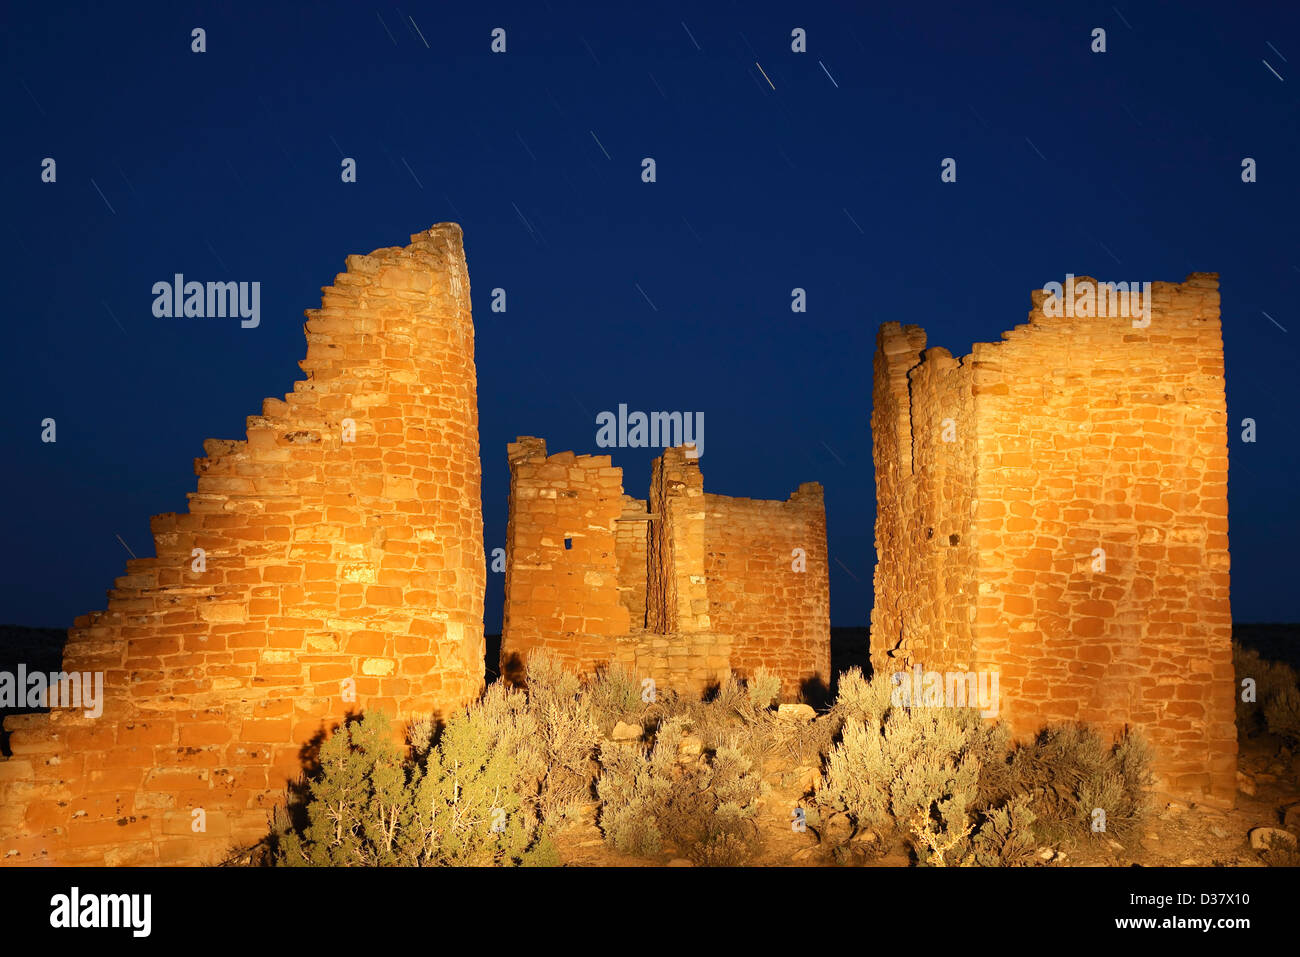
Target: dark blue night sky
226,166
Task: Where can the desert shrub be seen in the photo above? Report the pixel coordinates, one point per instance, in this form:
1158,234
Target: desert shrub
856,698
723,849
731,702
1282,714
477,801
1006,836
727,835
1279,852
1246,663
1068,772
648,799
1276,708
566,733
907,773
470,798
357,802
763,689
490,786
806,744
738,715
635,789
859,699
614,694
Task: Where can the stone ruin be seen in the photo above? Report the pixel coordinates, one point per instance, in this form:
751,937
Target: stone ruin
1053,508
332,562
683,587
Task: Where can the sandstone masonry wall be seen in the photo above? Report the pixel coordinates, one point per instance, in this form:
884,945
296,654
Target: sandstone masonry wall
631,550
562,576
344,572
1073,435
779,617
642,590
925,582
677,596
689,662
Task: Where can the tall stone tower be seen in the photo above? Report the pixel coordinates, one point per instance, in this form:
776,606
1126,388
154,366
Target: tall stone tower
1053,508
330,562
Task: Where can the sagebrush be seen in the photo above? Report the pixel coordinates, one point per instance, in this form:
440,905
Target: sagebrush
470,798
945,782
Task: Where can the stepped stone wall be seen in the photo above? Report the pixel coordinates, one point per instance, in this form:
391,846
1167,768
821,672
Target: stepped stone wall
1054,508
330,562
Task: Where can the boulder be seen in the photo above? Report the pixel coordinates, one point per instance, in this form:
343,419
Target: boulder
796,712
627,732
690,748
1262,837
838,829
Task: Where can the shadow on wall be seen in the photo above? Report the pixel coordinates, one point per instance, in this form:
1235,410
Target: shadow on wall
814,691
848,649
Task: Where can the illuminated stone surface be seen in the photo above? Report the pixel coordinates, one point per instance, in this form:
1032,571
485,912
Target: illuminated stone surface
339,555
999,476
